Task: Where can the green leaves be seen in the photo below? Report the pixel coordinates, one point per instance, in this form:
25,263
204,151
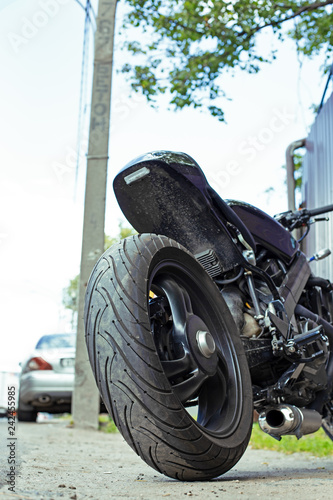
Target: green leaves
71,292
146,81
187,45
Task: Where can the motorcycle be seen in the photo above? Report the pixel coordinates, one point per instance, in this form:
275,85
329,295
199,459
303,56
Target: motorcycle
209,313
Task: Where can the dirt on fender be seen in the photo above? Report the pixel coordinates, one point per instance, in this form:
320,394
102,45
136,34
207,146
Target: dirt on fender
54,461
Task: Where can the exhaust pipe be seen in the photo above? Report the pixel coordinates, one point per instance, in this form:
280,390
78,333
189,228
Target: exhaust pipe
44,399
285,419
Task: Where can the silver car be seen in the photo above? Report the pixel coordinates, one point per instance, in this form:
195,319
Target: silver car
47,377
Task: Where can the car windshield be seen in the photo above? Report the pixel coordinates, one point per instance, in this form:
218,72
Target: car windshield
56,341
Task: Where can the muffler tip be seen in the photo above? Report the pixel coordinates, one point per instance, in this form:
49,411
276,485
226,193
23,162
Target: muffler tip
288,419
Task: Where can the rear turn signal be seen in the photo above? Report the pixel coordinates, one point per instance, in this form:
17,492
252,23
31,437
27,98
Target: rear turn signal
39,364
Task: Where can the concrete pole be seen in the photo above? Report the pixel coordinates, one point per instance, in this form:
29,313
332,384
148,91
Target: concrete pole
85,402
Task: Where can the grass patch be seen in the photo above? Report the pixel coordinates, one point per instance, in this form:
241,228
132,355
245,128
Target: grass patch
318,444
106,424
63,416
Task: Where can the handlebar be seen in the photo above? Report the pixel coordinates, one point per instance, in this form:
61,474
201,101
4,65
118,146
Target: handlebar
319,211
300,218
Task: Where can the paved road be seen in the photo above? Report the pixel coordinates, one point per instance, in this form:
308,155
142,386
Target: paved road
56,462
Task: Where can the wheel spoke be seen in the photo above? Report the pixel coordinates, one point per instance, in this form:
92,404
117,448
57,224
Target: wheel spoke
212,399
177,367
188,389
179,301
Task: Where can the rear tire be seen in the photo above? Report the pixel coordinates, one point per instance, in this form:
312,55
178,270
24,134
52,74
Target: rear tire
150,365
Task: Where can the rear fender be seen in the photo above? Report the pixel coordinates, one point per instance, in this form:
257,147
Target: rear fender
167,193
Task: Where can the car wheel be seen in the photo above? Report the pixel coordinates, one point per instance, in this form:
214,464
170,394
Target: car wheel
26,415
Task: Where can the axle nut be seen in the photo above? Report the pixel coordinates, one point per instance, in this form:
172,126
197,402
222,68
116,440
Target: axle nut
206,343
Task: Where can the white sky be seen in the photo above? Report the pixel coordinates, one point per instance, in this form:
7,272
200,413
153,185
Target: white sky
40,224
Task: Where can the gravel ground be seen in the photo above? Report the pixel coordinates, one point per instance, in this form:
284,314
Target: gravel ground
53,461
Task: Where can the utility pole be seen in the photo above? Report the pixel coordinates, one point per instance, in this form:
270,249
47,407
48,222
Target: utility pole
85,402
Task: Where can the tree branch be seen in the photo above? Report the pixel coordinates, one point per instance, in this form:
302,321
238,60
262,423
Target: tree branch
305,8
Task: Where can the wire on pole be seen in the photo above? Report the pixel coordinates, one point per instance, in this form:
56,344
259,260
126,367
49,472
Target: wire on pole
325,90
83,87
91,9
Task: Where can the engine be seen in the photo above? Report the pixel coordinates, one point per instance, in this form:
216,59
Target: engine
287,362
